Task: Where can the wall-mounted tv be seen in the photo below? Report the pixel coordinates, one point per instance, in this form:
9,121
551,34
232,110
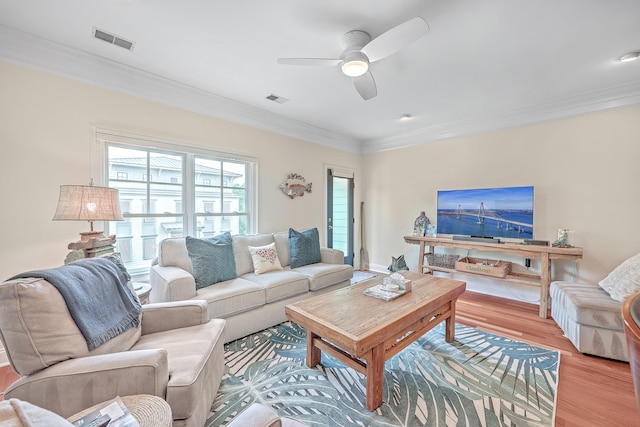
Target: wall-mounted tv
487,212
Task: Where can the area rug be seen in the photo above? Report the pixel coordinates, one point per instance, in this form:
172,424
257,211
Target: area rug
480,379
359,276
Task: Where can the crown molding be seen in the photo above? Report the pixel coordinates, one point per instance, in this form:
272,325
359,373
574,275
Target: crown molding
35,52
25,49
608,98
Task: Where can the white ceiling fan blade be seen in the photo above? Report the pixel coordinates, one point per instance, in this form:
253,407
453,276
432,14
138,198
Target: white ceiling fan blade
309,61
395,39
366,86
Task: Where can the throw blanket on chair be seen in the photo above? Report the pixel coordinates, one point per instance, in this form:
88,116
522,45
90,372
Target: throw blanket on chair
97,296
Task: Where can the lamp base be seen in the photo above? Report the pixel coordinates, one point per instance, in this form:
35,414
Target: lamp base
85,236
93,239
91,244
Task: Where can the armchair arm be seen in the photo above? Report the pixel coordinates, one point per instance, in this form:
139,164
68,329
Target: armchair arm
331,256
165,316
75,384
171,284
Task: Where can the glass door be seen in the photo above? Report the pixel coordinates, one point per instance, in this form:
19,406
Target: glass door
340,218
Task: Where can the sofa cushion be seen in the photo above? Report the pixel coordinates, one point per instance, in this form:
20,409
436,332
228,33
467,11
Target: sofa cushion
26,327
587,304
624,280
212,260
281,240
231,297
241,243
304,247
323,275
281,284
172,252
193,362
265,258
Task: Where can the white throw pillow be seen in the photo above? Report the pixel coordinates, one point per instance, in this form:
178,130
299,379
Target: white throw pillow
624,280
265,258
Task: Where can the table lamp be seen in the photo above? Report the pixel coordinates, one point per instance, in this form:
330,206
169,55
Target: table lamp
89,203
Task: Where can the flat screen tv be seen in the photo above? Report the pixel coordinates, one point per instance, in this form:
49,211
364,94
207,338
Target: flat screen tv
487,212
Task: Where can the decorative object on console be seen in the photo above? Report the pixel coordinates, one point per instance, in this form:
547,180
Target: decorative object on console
397,264
562,241
89,203
431,230
295,186
420,225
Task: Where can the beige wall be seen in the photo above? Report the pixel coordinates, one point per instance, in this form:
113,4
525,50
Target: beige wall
584,169
46,136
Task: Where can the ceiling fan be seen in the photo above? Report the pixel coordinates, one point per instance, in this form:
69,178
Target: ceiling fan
360,51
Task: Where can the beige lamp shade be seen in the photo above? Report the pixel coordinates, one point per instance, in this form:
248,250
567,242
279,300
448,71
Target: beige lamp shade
88,203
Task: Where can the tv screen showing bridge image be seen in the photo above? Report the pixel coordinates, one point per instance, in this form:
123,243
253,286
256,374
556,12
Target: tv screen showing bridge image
487,212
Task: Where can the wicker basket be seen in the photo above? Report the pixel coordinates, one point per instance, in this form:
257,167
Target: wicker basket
442,260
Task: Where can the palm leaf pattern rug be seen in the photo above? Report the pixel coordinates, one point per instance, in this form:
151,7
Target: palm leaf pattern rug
480,379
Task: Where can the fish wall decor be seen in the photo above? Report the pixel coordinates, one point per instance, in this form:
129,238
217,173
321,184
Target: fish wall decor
295,186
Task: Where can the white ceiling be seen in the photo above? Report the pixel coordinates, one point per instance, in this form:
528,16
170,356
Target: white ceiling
483,65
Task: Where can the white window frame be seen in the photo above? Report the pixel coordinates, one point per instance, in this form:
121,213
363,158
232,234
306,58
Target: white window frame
99,160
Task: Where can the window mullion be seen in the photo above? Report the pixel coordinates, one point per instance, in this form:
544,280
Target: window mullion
189,193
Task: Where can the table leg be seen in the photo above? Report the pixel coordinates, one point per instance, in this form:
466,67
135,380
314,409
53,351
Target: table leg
313,352
545,282
375,378
450,324
421,258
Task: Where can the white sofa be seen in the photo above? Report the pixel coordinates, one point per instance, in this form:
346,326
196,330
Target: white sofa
251,302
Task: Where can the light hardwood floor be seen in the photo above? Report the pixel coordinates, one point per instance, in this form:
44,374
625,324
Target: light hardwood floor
592,391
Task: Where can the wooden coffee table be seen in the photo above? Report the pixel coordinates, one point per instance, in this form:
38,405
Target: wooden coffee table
363,332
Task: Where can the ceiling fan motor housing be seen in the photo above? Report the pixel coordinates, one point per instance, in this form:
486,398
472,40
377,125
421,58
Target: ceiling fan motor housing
354,62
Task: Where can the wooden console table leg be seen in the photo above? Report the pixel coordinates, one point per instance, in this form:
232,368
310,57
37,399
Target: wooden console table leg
375,378
421,258
313,352
545,282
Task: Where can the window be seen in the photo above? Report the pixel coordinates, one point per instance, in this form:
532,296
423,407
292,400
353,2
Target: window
194,192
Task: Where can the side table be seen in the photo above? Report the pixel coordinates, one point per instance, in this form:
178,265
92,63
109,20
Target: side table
142,290
148,410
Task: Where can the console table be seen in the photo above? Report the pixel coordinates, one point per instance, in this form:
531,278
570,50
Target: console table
546,254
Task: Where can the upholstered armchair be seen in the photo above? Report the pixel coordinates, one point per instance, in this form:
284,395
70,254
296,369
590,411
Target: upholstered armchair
631,317
175,352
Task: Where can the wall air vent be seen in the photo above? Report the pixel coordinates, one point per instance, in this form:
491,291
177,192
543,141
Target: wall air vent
113,39
276,98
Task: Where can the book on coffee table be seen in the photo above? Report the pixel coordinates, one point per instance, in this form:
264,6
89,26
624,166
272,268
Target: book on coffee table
379,291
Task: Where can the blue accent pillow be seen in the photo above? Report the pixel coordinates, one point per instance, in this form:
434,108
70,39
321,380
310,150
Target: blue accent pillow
212,259
304,247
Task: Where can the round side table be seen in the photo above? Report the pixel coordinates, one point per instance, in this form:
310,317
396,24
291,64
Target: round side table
143,290
148,410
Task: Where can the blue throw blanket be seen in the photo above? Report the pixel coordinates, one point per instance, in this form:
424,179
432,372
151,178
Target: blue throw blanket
97,296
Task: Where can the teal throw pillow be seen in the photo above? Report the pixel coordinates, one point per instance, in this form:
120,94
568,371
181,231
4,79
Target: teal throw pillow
212,259
304,247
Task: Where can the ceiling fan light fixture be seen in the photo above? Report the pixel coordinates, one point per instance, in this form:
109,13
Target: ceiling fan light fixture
628,57
355,64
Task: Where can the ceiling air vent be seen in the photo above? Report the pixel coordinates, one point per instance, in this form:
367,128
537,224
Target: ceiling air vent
276,98
113,39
